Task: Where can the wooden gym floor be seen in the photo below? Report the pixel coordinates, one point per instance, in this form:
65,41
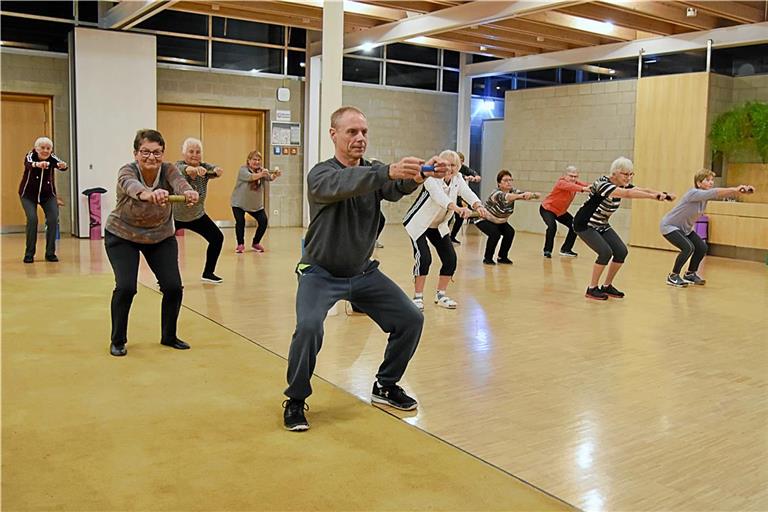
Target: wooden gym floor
658,401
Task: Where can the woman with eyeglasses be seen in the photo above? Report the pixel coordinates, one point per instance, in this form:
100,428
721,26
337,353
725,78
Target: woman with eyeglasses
38,186
591,224
248,197
554,209
194,218
142,223
500,205
427,220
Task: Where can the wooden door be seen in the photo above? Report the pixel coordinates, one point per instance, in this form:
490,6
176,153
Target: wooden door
176,126
24,119
228,135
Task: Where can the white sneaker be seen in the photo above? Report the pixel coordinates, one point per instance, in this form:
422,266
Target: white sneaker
445,302
419,301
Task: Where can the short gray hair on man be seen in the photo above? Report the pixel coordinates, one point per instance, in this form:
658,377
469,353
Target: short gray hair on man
43,140
189,142
571,168
622,164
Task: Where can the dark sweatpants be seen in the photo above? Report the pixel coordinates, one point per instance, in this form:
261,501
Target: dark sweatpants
51,211
377,296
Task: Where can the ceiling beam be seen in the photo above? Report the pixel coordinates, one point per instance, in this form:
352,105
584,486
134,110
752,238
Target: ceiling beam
550,31
444,20
621,18
502,37
127,14
438,42
609,31
488,44
736,11
754,33
671,13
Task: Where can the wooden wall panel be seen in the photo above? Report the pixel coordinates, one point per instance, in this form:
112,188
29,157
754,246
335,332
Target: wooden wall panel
670,135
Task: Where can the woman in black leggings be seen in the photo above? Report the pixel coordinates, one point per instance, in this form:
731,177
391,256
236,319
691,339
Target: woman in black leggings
248,197
677,226
591,224
500,205
142,223
194,218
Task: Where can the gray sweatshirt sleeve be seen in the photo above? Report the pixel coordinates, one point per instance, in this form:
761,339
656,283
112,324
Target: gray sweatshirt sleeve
329,184
395,190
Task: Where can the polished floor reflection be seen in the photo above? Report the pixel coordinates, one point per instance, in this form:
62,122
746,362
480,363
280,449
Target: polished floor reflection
655,402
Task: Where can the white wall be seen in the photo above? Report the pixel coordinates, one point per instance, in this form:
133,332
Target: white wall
115,94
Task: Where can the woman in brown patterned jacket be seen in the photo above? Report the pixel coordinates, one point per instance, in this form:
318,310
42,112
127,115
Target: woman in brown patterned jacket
142,223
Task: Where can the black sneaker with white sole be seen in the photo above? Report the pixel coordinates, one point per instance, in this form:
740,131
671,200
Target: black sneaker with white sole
676,281
211,278
393,396
568,254
293,416
693,278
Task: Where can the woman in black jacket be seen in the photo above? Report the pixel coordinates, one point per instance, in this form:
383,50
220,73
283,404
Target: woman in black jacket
38,186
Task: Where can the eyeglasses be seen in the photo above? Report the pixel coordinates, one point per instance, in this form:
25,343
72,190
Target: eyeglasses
156,153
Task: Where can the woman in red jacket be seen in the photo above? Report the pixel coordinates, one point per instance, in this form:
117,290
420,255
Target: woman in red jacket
554,209
38,186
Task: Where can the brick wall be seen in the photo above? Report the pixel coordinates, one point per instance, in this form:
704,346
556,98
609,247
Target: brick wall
546,129
404,123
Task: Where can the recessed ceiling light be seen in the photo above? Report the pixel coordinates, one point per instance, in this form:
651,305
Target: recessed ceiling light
367,47
540,38
483,48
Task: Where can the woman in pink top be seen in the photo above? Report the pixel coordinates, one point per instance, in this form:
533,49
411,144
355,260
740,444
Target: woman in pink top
554,209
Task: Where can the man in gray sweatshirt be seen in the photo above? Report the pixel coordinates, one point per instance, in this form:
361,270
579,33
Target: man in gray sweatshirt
344,196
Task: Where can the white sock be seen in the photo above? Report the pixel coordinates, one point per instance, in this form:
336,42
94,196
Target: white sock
418,295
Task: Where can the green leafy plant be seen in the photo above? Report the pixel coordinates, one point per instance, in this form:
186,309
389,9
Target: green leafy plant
743,128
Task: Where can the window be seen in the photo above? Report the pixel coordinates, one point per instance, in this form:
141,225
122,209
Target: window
248,31
176,21
411,76
63,10
247,58
297,37
740,60
412,53
670,64
192,52
450,81
296,63
361,70
88,10
34,34
451,59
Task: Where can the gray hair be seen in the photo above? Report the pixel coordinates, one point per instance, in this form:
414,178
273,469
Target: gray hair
450,155
43,140
191,141
622,164
571,168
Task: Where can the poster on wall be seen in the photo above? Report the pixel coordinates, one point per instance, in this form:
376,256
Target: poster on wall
286,133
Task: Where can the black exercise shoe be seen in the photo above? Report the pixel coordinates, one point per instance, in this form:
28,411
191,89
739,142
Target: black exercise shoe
612,292
596,294
393,396
293,416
